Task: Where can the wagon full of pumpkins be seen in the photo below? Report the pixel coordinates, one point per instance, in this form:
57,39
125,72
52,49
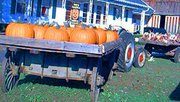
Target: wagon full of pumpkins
80,53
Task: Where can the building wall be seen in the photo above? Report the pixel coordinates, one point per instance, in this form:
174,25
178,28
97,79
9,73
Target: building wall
171,24
168,8
60,16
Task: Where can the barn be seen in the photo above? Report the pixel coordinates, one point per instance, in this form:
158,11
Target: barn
130,14
167,15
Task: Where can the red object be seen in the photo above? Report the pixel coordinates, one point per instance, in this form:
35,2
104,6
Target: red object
43,10
141,58
129,53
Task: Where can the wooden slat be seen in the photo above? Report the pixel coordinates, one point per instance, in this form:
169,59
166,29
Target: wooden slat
49,45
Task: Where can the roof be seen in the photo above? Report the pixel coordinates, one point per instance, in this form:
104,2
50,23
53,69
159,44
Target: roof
138,5
165,7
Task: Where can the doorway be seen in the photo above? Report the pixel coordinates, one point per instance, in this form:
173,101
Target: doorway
162,21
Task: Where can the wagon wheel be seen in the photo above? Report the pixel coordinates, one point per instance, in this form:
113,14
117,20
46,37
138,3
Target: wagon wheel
10,73
177,55
94,88
140,58
127,51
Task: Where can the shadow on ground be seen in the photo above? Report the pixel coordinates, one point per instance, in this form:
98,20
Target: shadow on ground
54,82
159,55
175,95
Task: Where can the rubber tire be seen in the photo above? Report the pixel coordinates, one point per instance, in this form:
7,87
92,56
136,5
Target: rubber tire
176,56
127,38
136,58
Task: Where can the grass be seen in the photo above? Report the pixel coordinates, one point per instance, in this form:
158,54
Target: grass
153,83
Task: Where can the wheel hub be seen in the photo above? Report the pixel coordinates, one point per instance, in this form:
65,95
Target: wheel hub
129,53
141,58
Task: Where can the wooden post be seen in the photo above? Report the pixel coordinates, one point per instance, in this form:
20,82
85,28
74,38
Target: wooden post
142,22
94,17
101,16
64,8
123,10
107,13
90,11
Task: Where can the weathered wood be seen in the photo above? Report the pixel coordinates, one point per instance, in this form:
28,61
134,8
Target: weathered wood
58,46
49,45
94,84
52,51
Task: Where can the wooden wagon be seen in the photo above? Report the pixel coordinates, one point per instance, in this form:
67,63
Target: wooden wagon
65,60
169,48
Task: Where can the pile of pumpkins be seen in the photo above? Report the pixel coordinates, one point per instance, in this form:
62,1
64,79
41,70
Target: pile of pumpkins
76,34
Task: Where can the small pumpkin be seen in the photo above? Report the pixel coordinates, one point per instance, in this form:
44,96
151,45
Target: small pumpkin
101,35
20,30
111,36
53,33
82,35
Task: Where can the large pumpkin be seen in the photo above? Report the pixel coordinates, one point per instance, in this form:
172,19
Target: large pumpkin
83,36
101,35
53,33
20,30
111,36
39,32
9,29
68,29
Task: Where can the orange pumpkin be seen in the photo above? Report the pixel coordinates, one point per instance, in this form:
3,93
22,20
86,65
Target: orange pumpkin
69,31
81,35
9,29
111,36
46,26
53,33
101,35
39,32
20,30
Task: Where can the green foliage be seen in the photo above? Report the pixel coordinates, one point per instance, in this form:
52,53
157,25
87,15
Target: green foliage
137,35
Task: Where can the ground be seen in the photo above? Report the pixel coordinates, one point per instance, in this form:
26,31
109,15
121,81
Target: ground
158,81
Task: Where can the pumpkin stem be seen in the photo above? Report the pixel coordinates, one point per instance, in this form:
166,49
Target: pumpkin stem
110,27
55,24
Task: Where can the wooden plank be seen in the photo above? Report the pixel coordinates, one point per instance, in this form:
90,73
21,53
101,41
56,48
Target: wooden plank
57,46
50,45
52,51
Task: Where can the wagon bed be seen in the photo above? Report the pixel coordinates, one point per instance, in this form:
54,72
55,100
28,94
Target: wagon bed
159,43
57,59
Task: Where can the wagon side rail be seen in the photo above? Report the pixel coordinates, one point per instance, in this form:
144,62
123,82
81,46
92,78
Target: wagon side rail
58,46
141,40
